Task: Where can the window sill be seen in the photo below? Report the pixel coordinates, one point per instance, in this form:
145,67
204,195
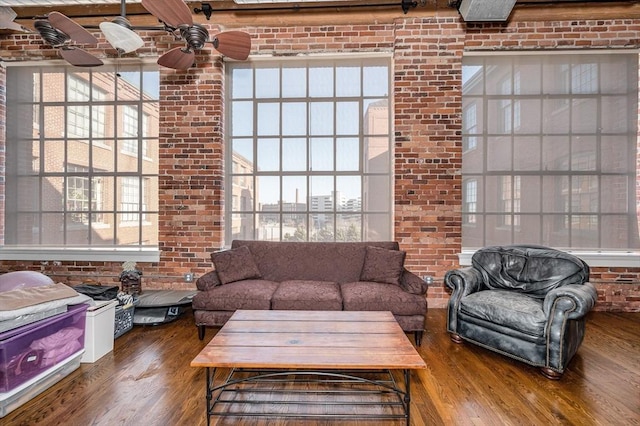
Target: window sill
115,254
610,259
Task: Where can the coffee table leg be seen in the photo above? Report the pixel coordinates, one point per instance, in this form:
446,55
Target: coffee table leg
209,378
407,395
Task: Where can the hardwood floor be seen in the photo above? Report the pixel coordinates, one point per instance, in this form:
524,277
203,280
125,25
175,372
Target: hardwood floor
147,381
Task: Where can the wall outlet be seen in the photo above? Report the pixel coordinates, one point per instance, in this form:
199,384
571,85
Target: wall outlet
428,279
188,277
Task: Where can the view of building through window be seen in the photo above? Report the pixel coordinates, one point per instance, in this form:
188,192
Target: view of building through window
309,156
73,176
550,151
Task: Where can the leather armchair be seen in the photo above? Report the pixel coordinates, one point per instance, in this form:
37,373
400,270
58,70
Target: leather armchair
526,302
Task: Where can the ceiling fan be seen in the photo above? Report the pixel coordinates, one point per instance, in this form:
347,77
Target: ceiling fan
176,16
7,15
59,31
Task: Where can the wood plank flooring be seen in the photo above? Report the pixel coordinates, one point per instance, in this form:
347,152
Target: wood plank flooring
147,381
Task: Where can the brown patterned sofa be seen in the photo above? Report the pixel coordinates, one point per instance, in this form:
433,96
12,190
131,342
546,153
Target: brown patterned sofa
329,276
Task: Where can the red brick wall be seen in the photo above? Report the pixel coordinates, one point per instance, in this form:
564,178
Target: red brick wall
427,55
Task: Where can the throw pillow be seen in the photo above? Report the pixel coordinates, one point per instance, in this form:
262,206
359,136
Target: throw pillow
235,265
382,265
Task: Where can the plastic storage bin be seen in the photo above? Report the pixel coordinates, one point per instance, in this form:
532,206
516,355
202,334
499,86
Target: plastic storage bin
33,387
98,337
29,350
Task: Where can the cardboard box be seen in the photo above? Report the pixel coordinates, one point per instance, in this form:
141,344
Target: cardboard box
98,337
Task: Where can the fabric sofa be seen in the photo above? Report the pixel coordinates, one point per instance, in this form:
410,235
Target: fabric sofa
526,302
330,276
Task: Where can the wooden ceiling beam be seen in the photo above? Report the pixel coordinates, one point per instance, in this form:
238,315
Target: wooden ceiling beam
229,14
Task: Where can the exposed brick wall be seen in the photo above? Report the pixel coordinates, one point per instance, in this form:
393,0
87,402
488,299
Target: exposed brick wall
428,152
427,55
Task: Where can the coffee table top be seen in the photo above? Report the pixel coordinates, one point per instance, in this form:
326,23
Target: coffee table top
310,340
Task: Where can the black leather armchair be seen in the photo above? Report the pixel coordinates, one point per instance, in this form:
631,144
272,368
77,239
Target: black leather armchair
526,302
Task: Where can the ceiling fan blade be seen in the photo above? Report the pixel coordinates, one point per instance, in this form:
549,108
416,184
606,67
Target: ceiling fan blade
7,15
79,57
177,58
122,39
172,12
234,44
71,28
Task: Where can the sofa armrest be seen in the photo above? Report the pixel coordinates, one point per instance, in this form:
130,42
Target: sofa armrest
208,281
576,300
411,283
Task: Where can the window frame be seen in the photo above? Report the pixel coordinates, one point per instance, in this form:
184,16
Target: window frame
98,108
284,209
595,257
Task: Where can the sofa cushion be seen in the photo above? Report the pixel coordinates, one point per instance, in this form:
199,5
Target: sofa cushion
235,265
382,265
534,270
506,308
307,296
372,296
246,294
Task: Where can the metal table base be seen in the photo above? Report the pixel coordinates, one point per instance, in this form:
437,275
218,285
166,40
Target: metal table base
307,394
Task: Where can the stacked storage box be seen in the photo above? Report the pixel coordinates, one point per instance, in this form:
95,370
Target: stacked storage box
98,338
36,356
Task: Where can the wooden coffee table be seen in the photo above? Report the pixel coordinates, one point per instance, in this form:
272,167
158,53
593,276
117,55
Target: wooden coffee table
306,364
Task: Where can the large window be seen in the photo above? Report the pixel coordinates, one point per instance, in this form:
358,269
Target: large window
310,145
69,181
556,151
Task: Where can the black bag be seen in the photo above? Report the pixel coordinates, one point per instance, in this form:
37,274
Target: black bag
98,292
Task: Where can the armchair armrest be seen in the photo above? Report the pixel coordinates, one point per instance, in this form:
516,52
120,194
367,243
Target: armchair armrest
574,299
565,308
463,282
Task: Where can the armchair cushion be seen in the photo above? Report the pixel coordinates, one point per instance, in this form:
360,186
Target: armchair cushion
235,265
534,270
508,309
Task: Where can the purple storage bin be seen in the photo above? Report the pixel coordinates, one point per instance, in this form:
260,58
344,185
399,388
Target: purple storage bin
29,350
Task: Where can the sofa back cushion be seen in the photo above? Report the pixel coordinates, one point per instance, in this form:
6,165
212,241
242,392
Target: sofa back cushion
235,265
382,265
533,270
316,261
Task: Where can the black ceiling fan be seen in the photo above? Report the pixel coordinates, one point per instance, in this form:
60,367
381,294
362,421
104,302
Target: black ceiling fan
176,16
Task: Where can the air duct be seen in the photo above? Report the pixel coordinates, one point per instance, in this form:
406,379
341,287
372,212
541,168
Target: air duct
485,10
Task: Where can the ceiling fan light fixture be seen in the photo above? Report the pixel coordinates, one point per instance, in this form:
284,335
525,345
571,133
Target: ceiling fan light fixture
120,37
